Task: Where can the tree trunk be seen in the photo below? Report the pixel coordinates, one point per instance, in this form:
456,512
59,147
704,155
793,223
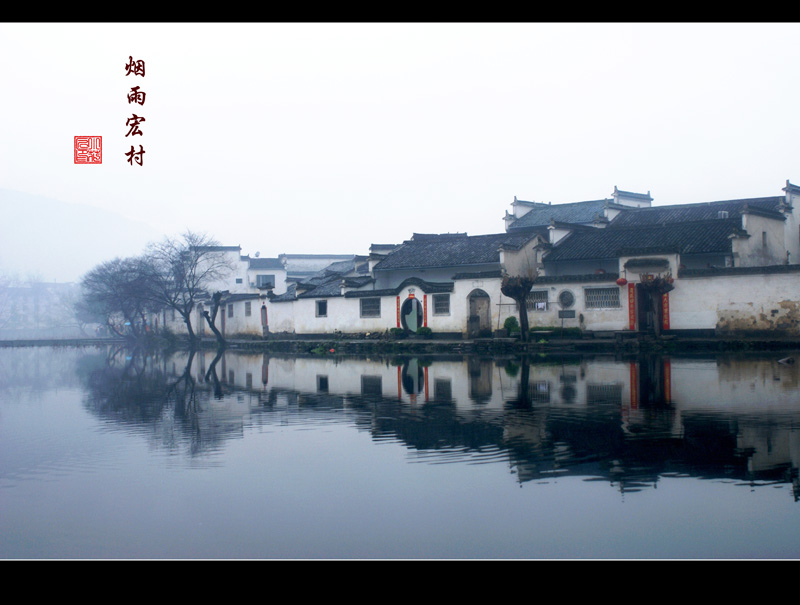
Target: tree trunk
113,328
523,319
517,288
188,321
210,321
212,318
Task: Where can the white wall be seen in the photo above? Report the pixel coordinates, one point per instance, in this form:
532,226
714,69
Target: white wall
751,251
737,302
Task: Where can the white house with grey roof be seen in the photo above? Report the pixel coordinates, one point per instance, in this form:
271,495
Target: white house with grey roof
731,266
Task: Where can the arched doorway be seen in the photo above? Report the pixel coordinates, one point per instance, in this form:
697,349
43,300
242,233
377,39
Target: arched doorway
411,315
479,320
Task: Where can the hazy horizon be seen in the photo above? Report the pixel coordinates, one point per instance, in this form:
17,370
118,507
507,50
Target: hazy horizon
325,138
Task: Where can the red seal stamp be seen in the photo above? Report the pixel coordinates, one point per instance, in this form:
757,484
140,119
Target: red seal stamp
89,150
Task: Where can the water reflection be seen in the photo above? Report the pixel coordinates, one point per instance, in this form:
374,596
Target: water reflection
626,421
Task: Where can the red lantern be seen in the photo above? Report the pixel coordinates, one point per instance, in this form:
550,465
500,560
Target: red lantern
622,281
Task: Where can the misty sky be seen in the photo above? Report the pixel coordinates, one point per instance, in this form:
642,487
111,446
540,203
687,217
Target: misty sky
324,138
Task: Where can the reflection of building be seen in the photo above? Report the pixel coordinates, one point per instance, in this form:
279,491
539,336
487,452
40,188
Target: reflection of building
629,421
609,265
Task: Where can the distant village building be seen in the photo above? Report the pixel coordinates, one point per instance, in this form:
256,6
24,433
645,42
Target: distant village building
727,267
35,309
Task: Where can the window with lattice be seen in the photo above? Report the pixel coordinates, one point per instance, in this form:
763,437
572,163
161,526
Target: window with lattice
370,307
537,300
441,304
601,298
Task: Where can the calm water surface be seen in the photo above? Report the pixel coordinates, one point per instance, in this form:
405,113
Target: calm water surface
109,453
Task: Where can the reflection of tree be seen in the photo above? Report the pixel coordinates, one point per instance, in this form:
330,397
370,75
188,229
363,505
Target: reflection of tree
133,387
212,373
523,398
595,433
182,391
129,387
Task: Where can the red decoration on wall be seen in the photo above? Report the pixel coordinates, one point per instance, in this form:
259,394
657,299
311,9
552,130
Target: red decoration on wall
632,306
665,307
425,310
398,311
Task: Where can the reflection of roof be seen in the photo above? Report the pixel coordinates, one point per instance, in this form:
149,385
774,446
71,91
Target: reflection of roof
450,250
576,212
766,206
697,237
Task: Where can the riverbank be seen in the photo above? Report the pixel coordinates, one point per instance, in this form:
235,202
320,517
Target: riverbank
613,343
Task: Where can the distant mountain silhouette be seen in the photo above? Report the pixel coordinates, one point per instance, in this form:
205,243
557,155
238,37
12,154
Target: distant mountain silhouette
60,241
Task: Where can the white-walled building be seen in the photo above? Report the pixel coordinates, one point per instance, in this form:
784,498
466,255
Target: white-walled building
732,266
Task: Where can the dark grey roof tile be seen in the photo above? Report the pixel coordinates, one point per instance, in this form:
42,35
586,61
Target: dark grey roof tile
696,212
450,250
697,237
577,212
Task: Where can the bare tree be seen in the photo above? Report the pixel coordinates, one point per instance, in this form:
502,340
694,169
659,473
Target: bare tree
182,270
117,293
520,272
211,318
517,288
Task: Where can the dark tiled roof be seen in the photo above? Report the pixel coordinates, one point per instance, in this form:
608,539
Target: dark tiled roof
331,287
339,267
266,263
698,237
288,296
427,287
767,206
328,282
358,281
217,248
560,279
739,271
634,195
479,275
449,250
576,212
243,296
